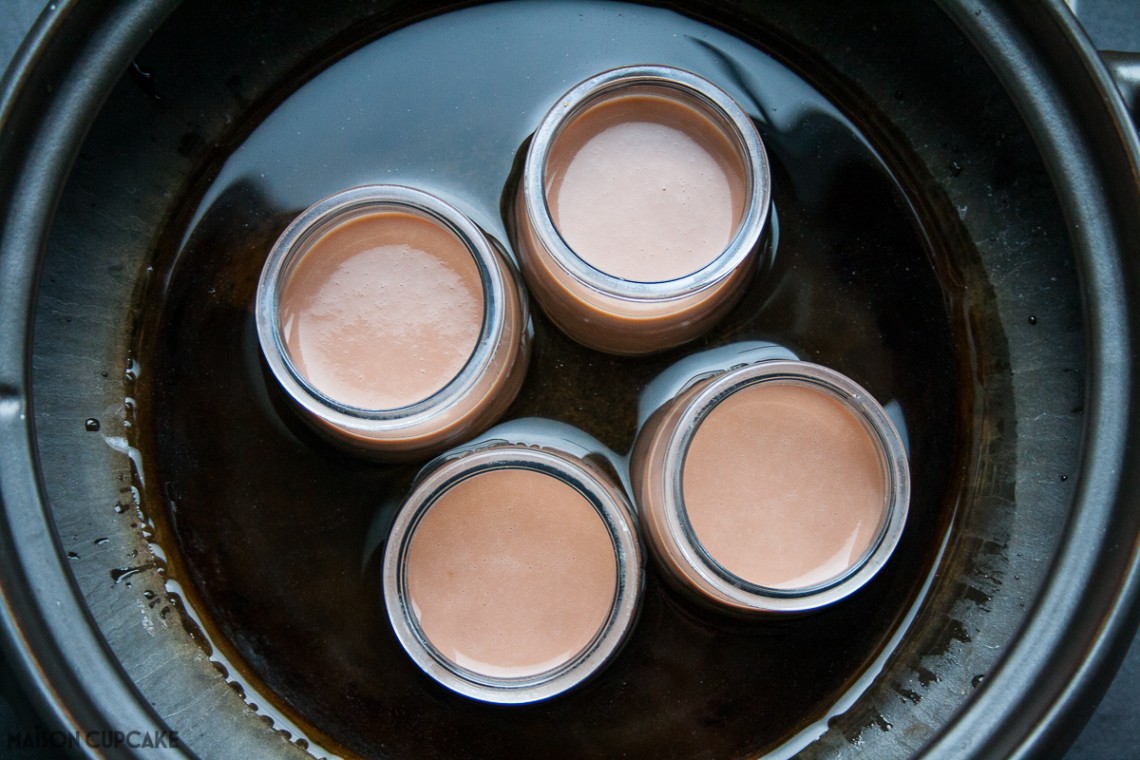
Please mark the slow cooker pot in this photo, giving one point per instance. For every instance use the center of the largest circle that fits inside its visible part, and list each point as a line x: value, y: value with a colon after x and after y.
x: 1007, y: 133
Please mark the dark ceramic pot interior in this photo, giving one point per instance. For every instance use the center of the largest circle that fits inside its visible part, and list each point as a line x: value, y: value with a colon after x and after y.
x: 227, y: 555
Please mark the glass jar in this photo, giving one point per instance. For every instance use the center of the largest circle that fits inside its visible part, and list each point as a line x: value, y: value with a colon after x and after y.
x: 638, y: 217
x: 392, y: 322
x: 513, y: 571
x: 777, y: 487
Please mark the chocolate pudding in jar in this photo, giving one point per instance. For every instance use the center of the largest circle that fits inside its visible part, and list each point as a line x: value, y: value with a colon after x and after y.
x: 513, y: 570
x: 638, y: 218
x: 777, y: 487
x: 392, y: 322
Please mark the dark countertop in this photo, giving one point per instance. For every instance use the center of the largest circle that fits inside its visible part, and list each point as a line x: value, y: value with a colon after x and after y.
x: 1112, y: 733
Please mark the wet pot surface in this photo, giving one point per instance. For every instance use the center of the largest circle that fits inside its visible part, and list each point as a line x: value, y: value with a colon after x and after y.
x: 266, y: 539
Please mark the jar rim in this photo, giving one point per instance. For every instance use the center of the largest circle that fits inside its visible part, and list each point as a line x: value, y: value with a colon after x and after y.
x: 884, y: 436
x: 325, y: 215
x: 737, y: 125
x: 448, y: 471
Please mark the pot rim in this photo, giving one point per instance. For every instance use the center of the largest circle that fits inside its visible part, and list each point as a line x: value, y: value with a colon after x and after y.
x: 49, y: 97
x: 1078, y: 628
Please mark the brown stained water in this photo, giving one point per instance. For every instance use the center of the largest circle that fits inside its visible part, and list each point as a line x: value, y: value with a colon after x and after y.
x: 267, y: 527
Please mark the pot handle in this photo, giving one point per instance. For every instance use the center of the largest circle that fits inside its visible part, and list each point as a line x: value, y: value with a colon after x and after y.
x: 1125, y: 70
